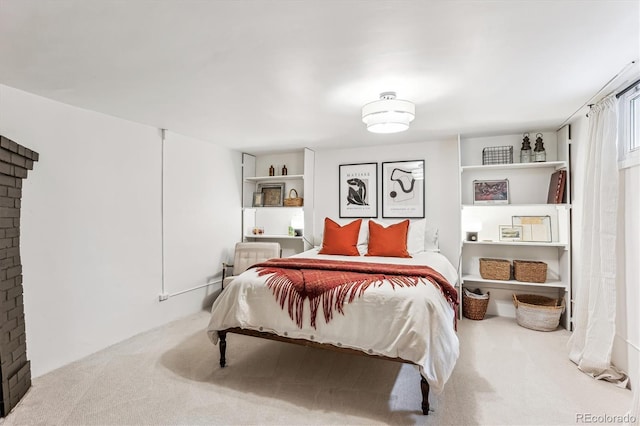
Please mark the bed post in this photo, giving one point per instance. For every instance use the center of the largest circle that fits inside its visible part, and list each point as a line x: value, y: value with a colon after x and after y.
x: 222, y: 335
x: 424, y: 387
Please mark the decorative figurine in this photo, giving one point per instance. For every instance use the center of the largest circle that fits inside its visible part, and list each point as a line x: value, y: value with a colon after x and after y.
x: 525, y: 151
x: 539, y: 154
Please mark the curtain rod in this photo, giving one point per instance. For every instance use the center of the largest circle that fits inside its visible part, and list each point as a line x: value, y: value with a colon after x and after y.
x: 629, y: 87
x: 622, y: 71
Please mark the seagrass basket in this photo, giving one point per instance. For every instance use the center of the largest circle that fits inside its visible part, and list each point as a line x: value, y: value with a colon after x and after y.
x: 530, y: 271
x: 538, y: 312
x: 495, y: 269
x: 292, y: 201
x: 474, y: 308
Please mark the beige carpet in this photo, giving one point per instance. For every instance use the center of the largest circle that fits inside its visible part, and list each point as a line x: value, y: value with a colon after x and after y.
x: 506, y: 375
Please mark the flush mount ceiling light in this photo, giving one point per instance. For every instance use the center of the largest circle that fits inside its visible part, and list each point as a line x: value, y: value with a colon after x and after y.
x: 388, y: 114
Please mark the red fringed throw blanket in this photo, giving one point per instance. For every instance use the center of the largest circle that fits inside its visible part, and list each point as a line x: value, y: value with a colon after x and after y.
x: 334, y: 283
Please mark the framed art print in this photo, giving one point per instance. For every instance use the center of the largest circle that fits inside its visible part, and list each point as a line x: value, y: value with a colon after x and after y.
x: 272, y: 194
x: 491, y: 191
x: 534, y: 228
x: 510, y: 233
x: 257, y: 199
x: 403, y: 189
x: 358, y: 190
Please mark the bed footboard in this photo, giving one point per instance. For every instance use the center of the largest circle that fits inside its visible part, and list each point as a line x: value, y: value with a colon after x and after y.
x: 222, y: 335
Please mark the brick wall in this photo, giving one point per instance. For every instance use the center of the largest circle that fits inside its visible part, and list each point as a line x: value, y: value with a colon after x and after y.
x: 15, y: 371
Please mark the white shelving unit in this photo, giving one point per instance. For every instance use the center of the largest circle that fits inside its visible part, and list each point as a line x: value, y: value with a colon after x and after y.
x: 528, y: 190
x: 275, y: 221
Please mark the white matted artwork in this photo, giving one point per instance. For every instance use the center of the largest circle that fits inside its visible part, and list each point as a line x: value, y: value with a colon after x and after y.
x: 358, y: 190
x: 403, y: 189
x: 534, y: 228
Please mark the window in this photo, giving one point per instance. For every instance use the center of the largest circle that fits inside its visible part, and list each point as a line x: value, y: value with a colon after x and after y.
x: 629, y: 122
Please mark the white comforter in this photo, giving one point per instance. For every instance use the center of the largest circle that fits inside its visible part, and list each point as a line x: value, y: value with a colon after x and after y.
x: 412, y: 323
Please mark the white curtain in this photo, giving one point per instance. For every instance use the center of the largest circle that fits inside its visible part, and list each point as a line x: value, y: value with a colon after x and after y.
x: 591, y: 343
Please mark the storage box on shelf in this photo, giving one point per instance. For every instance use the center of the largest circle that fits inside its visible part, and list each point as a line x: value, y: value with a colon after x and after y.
x: 495, y: 269
x: 529, y: 271
x: 528, y: 193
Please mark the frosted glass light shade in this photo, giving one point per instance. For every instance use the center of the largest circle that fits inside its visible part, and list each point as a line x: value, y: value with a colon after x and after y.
x: 388, y: 115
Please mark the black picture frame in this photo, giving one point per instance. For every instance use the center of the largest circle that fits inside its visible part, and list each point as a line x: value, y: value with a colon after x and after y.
x: 358, y: 190
x: 403, y: 189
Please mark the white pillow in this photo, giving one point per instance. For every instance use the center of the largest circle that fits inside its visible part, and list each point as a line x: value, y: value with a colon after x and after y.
x: 415, y: 238
x: 431, y: 239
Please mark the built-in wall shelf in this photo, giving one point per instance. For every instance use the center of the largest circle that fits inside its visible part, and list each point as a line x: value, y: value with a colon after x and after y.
x: 512, y: 166
x: 557, y: 206
x: 479, y: 279
x: 273, y: 178
x: 517, y: 243
x: 273, y: 236
x: 277, y: 221
x: 290, y: 208
x: 527, y: 195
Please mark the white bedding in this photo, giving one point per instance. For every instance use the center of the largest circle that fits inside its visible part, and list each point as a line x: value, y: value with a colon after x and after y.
x: 412, y: 323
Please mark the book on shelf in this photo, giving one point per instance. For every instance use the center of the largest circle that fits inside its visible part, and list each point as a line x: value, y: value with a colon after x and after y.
x: 556, y: 187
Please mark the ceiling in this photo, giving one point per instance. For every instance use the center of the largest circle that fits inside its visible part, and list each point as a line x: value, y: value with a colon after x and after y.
x: 264, y: 75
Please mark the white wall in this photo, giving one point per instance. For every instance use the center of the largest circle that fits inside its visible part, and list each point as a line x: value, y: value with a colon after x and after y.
x: 441, y: 184
x: 202, y: 193
x: 626, y: 347
x: 91, y: 242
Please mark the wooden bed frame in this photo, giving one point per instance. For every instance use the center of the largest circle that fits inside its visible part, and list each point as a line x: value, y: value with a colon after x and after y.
x: 222, y: 334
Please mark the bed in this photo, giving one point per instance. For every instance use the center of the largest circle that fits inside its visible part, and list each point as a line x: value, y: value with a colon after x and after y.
x: 419, y: 313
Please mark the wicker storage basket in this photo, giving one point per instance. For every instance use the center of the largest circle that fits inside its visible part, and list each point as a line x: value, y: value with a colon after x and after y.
x: 538, y: 312
x: 474, y: 308
x: 292, y: 201
x: 495, y: 269
x: 530, y: 271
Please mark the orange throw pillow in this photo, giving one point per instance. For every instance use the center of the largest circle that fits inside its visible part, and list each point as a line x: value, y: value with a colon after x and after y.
x: 340, y: 239
x: 390, y: 241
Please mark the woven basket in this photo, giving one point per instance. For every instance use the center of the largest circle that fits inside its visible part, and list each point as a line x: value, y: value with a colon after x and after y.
x: 538, y: 312
x: 292, y: 201
x: 530, y: 271
x: 473, y: 308
x: 495, y: 269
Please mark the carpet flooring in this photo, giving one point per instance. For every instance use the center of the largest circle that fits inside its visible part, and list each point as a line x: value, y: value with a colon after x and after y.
x: 506, y: 375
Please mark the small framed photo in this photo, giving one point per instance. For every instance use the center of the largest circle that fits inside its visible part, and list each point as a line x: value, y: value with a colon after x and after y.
x: 510, y: 233
x: 257, y: 199
x: 272, y: 194
x: 491, y: 191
